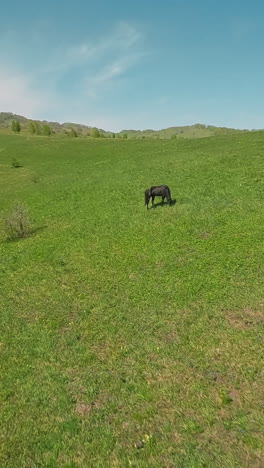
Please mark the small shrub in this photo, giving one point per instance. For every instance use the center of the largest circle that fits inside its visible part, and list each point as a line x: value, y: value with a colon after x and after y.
x: 17, y: 222
x: 15, y: 163
x: 35, y: 179
x: 226, y: 398
x: 72, y: 133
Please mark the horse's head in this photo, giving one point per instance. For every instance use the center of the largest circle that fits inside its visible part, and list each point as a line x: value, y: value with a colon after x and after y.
x: 147, y: 196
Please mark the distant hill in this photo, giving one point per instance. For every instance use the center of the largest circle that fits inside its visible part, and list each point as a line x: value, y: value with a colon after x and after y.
x: 189, y: 131
x: 82, y: 130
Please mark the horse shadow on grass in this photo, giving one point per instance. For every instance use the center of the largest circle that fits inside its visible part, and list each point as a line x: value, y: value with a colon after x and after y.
x: 156, y: 205
x: 30, y: 233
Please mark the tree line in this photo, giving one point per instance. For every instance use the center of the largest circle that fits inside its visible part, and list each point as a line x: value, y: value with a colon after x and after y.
x: 36, y: 128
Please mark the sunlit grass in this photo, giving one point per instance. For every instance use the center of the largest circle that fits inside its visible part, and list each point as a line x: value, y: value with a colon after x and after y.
x: 133, y: 337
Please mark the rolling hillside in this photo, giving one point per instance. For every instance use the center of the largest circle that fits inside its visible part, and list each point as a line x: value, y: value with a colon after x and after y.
x: 192, y: 131
x: 82, y: 130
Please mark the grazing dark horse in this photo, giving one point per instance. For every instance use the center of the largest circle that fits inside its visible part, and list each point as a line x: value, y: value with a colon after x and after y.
x: 157, y: 191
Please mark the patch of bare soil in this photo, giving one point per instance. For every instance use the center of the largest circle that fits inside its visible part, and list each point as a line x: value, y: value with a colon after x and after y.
x: 245, y: 319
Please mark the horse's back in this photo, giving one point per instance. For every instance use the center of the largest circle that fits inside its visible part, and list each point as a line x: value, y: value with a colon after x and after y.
x: 159, y: 189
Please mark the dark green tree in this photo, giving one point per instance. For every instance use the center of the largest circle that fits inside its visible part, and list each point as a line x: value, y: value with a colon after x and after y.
x: 46, y: 130
x: 38, y: 128
x: 15, y: 126
x: 32, y: 128
x: 72, y: 133
x: 95, y: 133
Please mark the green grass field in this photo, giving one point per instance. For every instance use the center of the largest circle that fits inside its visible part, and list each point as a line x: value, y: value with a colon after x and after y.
x: 133, y: 338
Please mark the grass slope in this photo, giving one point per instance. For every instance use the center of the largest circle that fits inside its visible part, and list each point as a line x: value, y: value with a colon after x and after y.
x: 133, y: 337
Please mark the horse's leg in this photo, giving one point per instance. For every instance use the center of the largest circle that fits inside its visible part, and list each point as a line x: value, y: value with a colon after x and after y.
x: 168, y: 196
x: 163, y: 200
x: 153, y: 198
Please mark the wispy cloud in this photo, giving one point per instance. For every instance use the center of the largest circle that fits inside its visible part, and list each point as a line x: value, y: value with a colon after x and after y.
x: 85, y: 69
x: 109, y: 73
x: 108, y: 58
x: 99, y: 61
x: 122, y: 38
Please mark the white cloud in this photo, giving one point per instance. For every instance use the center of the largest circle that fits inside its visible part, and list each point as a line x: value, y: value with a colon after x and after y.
x: 94, y: 63
x: 86, y: 70
x: 18, y: 96
x: 106, y: 59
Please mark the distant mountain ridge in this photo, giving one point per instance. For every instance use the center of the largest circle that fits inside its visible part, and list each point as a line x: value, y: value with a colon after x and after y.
x: 188, y: 131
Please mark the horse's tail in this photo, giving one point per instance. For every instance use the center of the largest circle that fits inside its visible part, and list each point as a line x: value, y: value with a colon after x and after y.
x: 168, y: 194
x: 147, y: 196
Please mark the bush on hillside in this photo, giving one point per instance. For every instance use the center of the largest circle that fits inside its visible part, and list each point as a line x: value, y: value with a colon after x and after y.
x: 95, y: 133
x: 15, y: 126
x: 17, y: 223
x: 72, y: 133
x: 46, y: 130
x: 15, y: 163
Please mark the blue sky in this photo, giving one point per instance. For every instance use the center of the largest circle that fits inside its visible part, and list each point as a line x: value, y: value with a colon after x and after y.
x: 139, y: 64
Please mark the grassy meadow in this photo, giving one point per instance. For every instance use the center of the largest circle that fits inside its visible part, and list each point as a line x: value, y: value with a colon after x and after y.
x: 133, y: 338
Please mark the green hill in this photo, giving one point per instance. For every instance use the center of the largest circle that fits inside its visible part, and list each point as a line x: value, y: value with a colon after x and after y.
x: 191, y: 131
x: 82, y: 130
